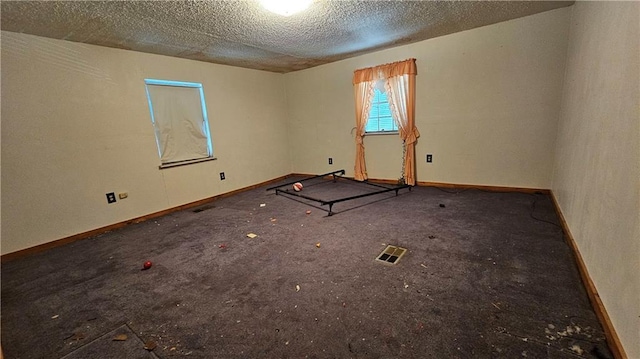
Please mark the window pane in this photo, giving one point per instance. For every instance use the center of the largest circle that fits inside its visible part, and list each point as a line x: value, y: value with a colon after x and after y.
x: 382, y: 96
x: 386, y: 124
x: 374, y: 113
x: 385, y: 110
x: 380, y: 118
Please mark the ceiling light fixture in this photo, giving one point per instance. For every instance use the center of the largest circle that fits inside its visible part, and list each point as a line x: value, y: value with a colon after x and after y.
x: 285, y: 7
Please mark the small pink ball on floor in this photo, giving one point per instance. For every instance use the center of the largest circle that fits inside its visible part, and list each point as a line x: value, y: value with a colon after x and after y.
x: 297, y: 186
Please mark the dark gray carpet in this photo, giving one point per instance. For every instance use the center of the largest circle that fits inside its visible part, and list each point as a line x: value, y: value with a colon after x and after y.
x: 105, y: 347
x: 486, y: 276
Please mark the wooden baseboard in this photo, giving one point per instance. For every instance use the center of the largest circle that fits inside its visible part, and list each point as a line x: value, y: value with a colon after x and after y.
x: 451, y: 185
x: 615, y: 345
x: 484, y: 187
x: 94, y: 232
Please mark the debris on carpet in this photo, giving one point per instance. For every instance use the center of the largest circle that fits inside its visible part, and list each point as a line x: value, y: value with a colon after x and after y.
x: 150, y: 345
x: 120, y: 338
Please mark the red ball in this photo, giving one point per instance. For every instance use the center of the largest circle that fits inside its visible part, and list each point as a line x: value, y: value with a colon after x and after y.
x: 147, y: 265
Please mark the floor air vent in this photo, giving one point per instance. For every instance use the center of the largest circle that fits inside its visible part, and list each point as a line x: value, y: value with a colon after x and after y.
x: 391, y: 255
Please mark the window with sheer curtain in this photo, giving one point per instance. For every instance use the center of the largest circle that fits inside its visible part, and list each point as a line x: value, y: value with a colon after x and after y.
x: 380, y: 119
x: 179, y: 116
x: 399, y: 80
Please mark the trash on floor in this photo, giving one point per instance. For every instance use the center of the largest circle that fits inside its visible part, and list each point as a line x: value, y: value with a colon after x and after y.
x: 150, y: 345
x: 77, y: 336
x: 252, y: 235
x: 120, y: 338
x: 55, y: 316
x: 441, y: 205
x: 318, y: 244
x: 263, y: 204
x: 297, y: 288
x: 222, y: 246
x: 147, y: 265
x: 308, y: 212
x: 576, y: 348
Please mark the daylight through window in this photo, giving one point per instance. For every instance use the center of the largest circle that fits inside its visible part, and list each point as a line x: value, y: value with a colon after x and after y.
x: 380, y: 119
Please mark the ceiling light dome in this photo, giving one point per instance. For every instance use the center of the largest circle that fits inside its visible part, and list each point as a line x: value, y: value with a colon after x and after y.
x: 285, y: 7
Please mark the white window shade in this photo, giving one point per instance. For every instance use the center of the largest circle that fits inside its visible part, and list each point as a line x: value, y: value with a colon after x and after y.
x: 179, y: 117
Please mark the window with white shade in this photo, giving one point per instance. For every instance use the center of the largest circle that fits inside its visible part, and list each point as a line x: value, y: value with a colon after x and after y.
x: 179, y: 117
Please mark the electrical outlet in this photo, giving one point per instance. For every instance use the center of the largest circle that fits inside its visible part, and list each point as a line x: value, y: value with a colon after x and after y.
x: 111, y: 197
x: 429, y: 158
x: 222, y: 176
x: 330, y: 160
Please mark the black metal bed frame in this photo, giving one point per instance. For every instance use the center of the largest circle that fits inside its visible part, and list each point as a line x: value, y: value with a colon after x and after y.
x: 335, y: 175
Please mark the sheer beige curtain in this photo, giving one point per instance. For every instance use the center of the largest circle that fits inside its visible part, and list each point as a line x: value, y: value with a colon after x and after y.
x: 400, y: 85
x: 401, y: 92
x: 364, y: 96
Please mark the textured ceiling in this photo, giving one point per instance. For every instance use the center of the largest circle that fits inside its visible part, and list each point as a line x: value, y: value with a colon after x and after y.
x: 242, y: 33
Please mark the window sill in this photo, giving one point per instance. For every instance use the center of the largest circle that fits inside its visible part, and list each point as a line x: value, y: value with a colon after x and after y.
x: 381, y: 133
x: 184, y: 163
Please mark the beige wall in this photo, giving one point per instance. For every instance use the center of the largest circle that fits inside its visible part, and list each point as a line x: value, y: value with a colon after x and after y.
x: 487, y: 106
x: 76, y: 125
x: 597, y: 175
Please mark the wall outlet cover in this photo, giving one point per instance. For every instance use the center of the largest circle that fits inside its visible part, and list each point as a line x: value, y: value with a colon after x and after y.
x: 111, y: 197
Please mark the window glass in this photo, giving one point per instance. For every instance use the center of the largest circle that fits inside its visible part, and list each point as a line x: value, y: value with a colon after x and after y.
x: 380, y: 119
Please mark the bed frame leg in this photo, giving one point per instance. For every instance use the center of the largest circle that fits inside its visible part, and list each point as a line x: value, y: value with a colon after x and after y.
x: 330, y: 212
